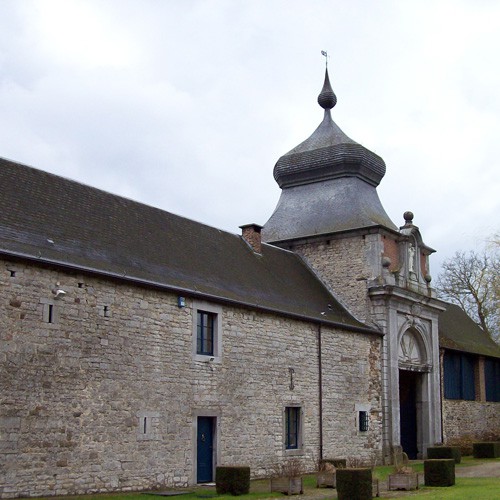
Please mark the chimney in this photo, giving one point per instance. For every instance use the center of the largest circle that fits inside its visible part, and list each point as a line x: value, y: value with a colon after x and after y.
x: 251, y: 234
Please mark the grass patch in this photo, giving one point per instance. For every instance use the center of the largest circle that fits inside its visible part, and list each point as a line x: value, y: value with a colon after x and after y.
x: 465, y: 488
x: 382, y: 472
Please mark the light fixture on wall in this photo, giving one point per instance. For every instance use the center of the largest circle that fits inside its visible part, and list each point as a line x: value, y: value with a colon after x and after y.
x: 181, y: 301
x: 58, y: 292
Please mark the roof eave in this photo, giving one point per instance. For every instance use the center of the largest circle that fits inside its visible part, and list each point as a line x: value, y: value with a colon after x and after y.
x: 189, y: 291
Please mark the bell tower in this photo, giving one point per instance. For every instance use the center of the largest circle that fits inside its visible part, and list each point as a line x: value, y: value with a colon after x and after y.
x: 329, y: 213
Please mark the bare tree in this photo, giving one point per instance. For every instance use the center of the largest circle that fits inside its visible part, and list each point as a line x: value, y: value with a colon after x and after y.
x: 472, y: 281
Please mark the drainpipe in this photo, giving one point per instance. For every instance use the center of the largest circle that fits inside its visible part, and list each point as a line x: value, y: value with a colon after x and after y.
x: 320, y: 382
x: 441, y: 390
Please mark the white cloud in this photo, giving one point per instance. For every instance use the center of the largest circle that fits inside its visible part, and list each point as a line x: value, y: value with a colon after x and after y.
x: 187, y: 105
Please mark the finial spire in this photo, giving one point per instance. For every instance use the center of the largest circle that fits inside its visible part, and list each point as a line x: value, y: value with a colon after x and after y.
x: 327, y: 99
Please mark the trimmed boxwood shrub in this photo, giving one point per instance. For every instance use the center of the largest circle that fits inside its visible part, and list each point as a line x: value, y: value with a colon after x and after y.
x: 234, y: 480
x: 445, y: 452
x: 354, y: 484
x: 486, y: 450
x: 439, y: 472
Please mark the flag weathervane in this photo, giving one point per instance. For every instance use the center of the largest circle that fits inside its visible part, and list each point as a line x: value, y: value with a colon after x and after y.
x: 325, y: 53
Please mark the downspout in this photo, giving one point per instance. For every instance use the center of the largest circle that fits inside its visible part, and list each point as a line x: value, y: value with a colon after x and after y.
x: 441, y: 390
x: 320, y: 382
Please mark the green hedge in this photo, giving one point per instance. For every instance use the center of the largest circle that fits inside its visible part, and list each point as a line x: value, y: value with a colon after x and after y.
x: 234, y: 480
x: 439, y: 472
x: 444, y: 452
x: 354, y: 484
x: 486, y: 450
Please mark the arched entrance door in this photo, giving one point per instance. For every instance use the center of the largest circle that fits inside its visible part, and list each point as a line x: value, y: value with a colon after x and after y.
x: 412, y: 367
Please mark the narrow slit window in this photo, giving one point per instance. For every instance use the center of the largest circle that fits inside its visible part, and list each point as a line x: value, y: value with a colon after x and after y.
x: 50, y: 318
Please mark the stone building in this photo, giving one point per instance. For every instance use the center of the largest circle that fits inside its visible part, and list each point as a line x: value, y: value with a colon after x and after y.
x: 139, y: 349
x: 470, y: 369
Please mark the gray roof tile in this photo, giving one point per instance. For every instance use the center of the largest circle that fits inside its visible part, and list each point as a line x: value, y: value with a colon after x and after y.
x: 459, y: 332
x: 56, y: 220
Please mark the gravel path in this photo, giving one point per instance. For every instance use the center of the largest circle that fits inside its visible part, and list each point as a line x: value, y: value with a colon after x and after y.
x: 488, y: 469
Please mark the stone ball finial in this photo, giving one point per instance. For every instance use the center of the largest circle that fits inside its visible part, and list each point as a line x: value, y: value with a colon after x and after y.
x: 428, y: 278
x: 386, y: 262
x: 408, y: 216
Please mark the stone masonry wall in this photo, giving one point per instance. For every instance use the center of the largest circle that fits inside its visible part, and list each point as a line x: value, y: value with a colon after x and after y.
x: 470, y: 421
x: 357, y: 387
x: 346, y: 265
x: 74, y: 390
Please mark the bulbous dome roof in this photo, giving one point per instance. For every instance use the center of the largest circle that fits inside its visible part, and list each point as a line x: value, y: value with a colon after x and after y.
x: 328, y: 184
x: 328, y: 153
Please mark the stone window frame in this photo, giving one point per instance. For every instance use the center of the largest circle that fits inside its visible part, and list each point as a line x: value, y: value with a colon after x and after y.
x: 147, y: 425
x: 50, y: 311
x: 216, y: 311
x: 300, y: 433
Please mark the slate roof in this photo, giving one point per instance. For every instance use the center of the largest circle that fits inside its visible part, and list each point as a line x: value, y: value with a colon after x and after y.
x: 459, y: 332
x: 328, y: 153
x: 51, y: 219
x: 328, y: 184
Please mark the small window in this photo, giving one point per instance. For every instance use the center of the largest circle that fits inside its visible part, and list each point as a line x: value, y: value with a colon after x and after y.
x: 363, y: 421
x: 49, y: 311
x: 292, y: 427
x: 147, y: 425
x: 205, y: 333
x: 459, y: 376
x: 492, y: 379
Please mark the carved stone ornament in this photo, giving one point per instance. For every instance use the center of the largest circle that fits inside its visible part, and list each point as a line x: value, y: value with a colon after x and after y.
x: 409, y: 350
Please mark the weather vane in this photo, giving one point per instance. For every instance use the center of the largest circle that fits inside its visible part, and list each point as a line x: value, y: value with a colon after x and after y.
x: 325, y: 53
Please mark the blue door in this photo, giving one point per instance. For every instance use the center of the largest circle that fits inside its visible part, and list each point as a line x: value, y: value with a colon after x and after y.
x: 205, y: 447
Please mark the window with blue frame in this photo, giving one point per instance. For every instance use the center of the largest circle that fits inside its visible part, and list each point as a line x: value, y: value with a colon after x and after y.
x: 459, y: 381
x: 205, y: 333
x: 492, y: 379
x: 292, y: 427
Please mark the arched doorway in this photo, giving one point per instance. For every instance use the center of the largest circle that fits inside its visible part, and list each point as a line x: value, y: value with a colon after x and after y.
x: 412, y: 370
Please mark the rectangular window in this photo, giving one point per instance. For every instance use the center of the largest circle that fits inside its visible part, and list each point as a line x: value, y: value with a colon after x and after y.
x: 363, y: 421
x: 292, y: 427
x: 205, y: 333
x: 50, y: 313
x: 492, y: 379
x: 459, y: 376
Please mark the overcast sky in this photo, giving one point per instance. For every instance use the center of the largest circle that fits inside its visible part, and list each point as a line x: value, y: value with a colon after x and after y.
x: 187, y: 105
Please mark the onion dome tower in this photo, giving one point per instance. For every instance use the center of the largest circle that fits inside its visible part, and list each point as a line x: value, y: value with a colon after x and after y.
x: 328, y: 184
